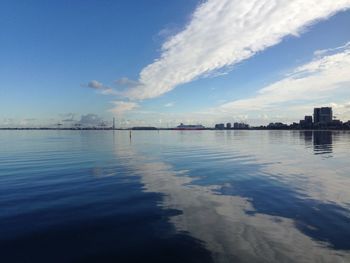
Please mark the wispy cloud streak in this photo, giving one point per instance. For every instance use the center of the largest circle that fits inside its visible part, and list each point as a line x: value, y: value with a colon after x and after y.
x: 105, y: 90
x: 222, y: 33
x: 120, y: 107
x: 317, y: 80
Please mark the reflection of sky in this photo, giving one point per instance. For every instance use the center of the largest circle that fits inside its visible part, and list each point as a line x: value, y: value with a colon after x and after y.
x: 64, y: 198
x: 251, y: 196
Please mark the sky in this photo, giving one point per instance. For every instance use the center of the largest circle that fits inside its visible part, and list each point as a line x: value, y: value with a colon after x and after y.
x: 159, y: 63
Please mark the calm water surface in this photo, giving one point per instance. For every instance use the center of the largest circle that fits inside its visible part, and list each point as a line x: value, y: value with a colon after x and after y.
x: 172, y: 196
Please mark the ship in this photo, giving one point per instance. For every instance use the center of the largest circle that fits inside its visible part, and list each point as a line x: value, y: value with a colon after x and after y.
x: 189, y: 127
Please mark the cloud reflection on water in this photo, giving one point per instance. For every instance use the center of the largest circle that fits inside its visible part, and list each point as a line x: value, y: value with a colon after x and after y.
x: 225, y: 222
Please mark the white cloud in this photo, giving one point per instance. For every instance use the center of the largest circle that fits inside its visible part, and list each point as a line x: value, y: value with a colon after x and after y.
x: 342, y: 110
x: 105, y: 90
x: 122, y: 106
x: 109, y: 91
x: 127, y: 82
x: 90, y: 120
x: 222, y: 33
x: 68, y: 117
x: 170, y: 104
x: 324, y: 81
x: 315, y: 80
x: 324, y: 52
x: 311, y: 84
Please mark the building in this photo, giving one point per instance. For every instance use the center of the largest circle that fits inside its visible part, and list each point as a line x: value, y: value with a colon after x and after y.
x: 308, y: 119
x: 241, y: 125
x: 346, y: 125
x: 228, y: 126
x: 306, y: 123
x: 316, y: 115
x: 323, y: 115
x: 220, y: 126
x: 277, y: 125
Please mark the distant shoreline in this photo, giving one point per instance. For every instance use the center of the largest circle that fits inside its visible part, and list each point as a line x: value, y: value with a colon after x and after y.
x: 172, y: 129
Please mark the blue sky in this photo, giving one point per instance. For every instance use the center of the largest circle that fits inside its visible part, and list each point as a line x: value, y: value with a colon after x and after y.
x: 163, y: 62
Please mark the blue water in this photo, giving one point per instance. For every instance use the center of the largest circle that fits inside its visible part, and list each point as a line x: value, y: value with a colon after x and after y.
x: 174, y: 196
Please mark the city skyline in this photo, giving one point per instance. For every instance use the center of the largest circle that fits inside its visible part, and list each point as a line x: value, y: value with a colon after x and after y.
x: 162, y: 64
x: 322, y: 119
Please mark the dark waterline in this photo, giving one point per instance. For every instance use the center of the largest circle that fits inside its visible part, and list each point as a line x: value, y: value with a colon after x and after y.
x: 172, y: 196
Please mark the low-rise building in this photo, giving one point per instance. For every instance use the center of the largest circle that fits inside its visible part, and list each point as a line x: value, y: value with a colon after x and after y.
x: 220, y: 126
x: 306, y: 123
x: 240, y: 125
x: 277, y: 125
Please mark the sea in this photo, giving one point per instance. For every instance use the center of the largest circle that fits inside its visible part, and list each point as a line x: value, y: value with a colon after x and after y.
x: 174, y: 196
